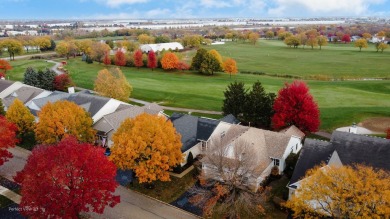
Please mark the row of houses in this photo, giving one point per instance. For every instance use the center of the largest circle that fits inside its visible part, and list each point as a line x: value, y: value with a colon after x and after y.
x: 271, y: 148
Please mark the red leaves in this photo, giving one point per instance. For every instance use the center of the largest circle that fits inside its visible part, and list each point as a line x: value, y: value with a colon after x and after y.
x: 295, y: 106
x: 346, y: 38
x: 62, y: 82
x: 182, y: 66
x: 138, y: 58
x: 152, y: 60
x: 120, y: 58
x: 7, y: 138
x: 4, y: 66
x: 107, y: 59
x: 64, y: 179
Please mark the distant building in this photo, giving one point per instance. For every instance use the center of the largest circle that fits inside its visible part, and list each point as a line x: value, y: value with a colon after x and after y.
x: 161, y: 46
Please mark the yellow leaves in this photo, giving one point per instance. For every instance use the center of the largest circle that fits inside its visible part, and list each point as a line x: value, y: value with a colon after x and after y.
x: 20, y: 116
x: 344, y: 191
x: 230, y: 66
x: 147, y: 144
x: 113, y: 84
x: 63, y: 118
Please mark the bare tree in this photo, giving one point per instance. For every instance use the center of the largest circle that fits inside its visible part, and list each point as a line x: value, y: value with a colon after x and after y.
x: 227, y: 178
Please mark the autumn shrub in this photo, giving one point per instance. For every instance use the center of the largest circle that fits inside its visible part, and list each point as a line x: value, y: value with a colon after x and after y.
x: 62, y: 82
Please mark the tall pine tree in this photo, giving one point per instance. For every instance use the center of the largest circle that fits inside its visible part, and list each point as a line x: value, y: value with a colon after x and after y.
x: 235, y: 98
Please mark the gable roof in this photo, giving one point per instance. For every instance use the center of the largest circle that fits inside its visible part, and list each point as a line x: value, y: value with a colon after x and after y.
x: 91, y: 103
x: 351, y: 149
x: 24, y: 94
x: 193, y: 128
x: 4, y: 84
x: 293, y: 130
x: 263, y: 144
x: 113, y: 120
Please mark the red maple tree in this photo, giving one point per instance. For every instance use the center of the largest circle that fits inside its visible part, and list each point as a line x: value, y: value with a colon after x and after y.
x: 62, y: 82
x: 388, y: 133
x: 152, y: 60
x: 295, y: 106
x: 4, y: 67
x: 120, y: 58
x: 138, y: 62
x: 346, y: 38
x: 8, y: 138
x: 107, y: 59
x: 182, y: 66
x: 62, y: 180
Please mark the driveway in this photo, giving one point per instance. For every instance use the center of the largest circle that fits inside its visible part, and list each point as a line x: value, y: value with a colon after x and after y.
x: 133, y: 204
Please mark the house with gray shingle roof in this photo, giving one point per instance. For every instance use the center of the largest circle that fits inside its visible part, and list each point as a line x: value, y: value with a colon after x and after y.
x: 26, y: 94
x: 108, y: 124
x: 7, y: 87
x: 343, y: 149
x: 267, y: 148
x: 97, y: 106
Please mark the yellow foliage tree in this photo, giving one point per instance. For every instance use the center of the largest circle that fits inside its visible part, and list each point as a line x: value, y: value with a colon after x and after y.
x: 253, y: 37
x: 217, y: 56
x: 149, y: 145
x: 322, y: 41
x: 145, y: 39
x: 99, y: 50
x: 19, y: 114
x: 66, y: 48
x: 343, y: 192
x: 169, y: 61
x: 43, y: 42
x: 113, y: 84
x: 230, y: 66
x: 366, y: 35
x: 63, y: 118
x: 85, y: 46
x: 361, y: 43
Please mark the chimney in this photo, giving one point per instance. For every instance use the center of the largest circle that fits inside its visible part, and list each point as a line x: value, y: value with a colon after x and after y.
x: 353, y: 128
x: 71, y: 90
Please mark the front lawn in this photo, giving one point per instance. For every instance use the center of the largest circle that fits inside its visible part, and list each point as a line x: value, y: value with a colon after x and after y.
x: 167, y: 191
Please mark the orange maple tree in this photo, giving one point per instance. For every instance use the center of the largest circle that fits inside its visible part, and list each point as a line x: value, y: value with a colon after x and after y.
x: 230, y: 66
x: 7, y: 138
x: 169, y: 61
x: 149, y: 145
x: 63, y: 118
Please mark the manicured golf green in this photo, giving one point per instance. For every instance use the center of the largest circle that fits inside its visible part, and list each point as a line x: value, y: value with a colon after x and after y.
x: 341, y: 102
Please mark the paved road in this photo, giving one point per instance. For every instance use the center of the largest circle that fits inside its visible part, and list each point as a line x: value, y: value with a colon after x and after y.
x: 133, y: 205
x: 28, y: 56
x: 55, y: 67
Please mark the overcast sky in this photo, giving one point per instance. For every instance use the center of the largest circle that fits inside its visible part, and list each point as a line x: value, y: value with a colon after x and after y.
x: 129, y: 9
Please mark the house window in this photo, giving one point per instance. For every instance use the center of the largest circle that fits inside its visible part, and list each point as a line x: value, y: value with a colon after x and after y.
x: 276, y: 161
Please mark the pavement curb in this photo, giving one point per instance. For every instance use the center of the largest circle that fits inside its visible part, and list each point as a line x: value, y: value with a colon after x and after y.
x: 187, y: 212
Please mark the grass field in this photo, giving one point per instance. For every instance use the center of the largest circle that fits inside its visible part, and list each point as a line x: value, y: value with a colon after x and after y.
x: 19, y: 67
x: 340, y: 102
x: 334, y: 61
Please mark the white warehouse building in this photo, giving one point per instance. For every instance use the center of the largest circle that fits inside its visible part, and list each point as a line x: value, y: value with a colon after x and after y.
x: 161, y: 46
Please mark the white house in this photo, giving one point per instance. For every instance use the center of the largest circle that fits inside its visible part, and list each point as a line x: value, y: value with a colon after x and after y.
x: 267, y: 148
x: 161, y: 46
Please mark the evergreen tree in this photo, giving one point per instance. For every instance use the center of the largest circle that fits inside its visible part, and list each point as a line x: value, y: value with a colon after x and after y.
x: 31, y: 77
x: 235, y: 98
x: 46, y: 79
x: 258, y: 108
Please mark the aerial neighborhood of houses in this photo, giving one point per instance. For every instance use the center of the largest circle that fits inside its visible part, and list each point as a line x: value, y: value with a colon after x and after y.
x: 195, y: 118
x: 240, y: 147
